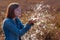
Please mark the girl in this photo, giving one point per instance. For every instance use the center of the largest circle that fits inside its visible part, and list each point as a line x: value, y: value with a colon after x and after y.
x: 12, y: 26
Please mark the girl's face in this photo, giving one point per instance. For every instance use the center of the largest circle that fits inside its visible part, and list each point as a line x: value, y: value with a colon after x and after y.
x: 17, y: 12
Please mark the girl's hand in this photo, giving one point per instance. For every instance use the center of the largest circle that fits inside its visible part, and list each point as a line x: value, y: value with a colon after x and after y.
x: 32, y: 21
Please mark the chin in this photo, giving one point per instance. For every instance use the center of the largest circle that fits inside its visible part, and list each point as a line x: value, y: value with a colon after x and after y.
x: 20, y: 16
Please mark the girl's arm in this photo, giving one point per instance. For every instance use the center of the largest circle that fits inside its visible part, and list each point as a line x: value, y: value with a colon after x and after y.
x: 13, y: 28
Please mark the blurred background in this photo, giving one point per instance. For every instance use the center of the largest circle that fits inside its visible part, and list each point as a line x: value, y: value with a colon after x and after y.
x: 48, y: 12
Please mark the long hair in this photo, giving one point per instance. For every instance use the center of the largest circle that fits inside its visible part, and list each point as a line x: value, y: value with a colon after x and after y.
x: 10, y: 10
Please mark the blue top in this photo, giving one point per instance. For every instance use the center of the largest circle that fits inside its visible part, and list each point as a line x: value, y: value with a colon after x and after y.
x: 13, y: 30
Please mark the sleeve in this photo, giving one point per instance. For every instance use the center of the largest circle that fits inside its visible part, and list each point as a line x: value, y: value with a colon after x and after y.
x: 13, y: 28
x: 20, y: 23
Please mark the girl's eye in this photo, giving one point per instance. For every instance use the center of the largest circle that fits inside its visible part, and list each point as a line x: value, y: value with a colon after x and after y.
x: 19, y: 10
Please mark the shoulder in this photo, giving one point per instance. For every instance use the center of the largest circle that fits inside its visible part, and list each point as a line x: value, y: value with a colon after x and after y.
x: 6, y: 20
